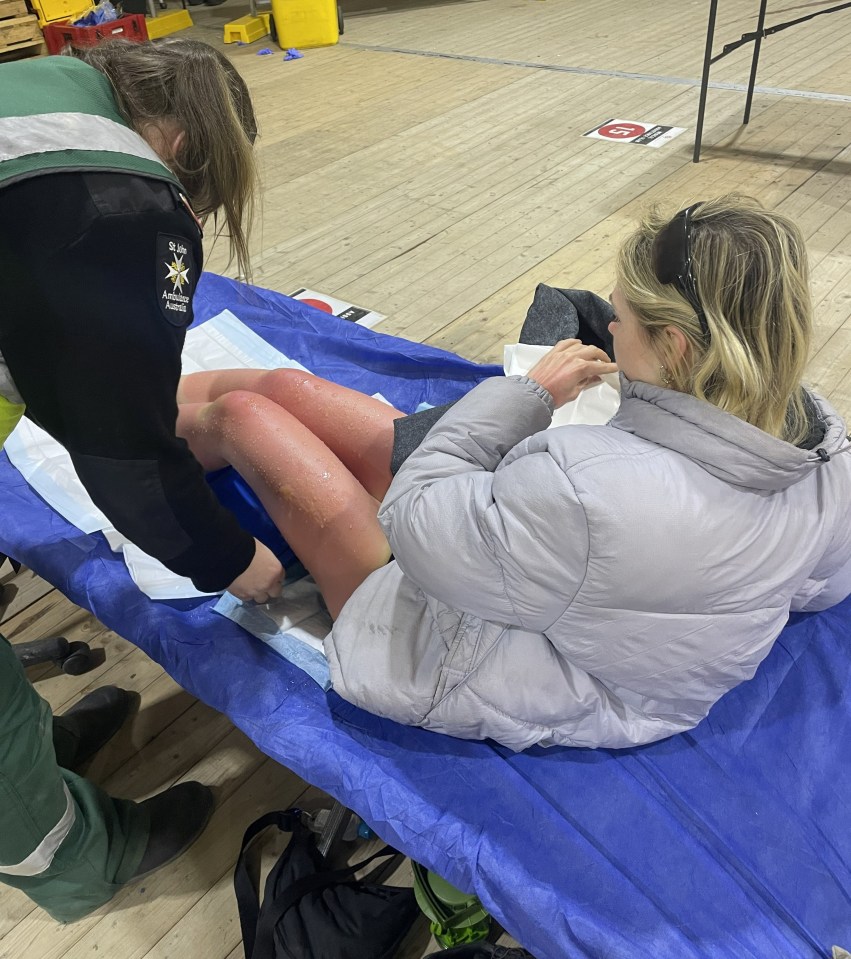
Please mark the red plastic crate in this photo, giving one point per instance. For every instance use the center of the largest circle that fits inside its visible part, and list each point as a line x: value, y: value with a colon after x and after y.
x: 129, y: 27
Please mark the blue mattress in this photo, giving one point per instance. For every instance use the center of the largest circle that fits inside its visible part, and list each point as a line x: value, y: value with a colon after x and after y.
x: 731, y: 841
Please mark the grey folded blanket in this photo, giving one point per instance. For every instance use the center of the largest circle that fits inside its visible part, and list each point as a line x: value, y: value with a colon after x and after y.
x: 565, y: 315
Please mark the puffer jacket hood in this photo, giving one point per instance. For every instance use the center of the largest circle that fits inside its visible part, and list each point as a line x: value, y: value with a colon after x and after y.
x: 724, y: 445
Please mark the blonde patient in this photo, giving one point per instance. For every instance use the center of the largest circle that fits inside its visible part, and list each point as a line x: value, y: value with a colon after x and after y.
x: 586, y: 585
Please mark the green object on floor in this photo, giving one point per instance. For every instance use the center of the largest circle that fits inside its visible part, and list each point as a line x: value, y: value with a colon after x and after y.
x: 456, y: 917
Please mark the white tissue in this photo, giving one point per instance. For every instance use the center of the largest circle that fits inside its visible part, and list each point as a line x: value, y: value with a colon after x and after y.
x: 594, y: 406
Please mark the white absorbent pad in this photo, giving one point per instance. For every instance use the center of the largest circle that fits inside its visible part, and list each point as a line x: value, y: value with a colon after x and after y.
x: 293, y: 625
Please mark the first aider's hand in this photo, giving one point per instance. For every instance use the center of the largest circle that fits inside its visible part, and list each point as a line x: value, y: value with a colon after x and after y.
x: 569, y: 368
x: 262, y: 580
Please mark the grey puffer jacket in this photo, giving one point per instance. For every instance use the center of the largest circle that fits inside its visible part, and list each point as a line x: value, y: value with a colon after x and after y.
x: 590, y: 585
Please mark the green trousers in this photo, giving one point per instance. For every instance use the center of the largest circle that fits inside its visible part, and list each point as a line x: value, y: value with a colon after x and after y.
x: 63, y: 841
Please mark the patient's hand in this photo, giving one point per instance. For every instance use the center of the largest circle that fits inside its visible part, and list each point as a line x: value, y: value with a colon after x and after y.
x: 569, y: 368
x: 263, y: 579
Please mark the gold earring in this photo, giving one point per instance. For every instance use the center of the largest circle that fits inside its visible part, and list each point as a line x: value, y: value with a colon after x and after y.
x: 665, y: 375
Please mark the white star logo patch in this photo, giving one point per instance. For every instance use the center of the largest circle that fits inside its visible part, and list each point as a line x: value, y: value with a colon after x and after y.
x: 177, y: 273
x: 175, y: 278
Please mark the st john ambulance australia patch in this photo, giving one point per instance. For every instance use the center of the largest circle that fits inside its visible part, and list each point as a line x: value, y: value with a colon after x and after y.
x: 176, y: 278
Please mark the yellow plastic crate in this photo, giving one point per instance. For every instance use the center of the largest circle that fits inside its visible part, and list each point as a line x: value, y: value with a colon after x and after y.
x: 49, y: 10
x: 306, y: 23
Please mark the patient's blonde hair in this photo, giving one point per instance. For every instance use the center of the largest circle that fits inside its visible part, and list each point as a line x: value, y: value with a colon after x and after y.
x: 198, y: 88
x: 750, y: 270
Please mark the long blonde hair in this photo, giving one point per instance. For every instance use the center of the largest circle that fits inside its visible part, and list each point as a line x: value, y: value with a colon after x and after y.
x: 197, y: 87
x: 751, y: 275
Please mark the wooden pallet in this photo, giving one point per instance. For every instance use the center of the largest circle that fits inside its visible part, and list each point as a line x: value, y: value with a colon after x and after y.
x: 20, y: 34
x: 13, y: 8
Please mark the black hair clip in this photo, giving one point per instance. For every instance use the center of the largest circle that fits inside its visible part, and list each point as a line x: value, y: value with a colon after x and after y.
x: 672, y: 261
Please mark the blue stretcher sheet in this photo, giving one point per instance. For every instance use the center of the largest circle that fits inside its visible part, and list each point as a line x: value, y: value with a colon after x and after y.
x: 730, y: 842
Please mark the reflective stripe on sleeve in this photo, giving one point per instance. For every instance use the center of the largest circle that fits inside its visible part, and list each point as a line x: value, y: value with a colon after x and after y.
x: 41, y: 858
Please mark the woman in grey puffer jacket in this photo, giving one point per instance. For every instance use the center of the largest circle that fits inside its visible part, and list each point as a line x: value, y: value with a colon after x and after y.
x: 605, y: 585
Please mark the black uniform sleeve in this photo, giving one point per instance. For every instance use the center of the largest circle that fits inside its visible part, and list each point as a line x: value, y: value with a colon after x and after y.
x: 97, y: 273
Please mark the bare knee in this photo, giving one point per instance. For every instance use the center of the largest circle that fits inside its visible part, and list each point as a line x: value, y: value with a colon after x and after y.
x: 233, y: 410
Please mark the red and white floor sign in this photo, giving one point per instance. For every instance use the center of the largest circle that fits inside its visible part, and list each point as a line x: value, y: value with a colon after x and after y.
x: 634, y: 131
x: 338, y: 308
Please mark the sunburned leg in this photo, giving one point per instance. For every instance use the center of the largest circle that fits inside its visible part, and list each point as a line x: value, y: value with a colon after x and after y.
x: 321, y: 509
x: 194, y: 427
x: 356, y: 427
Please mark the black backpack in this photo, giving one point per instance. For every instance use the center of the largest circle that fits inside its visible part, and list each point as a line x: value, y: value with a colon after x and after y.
x: 311, y: 912
x: 482, y: 950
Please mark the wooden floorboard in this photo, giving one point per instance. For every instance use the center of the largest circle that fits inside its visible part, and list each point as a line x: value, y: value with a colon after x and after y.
x: 431, y: 167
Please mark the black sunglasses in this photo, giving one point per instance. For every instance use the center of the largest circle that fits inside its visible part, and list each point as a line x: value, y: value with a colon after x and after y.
x: 672, y: 261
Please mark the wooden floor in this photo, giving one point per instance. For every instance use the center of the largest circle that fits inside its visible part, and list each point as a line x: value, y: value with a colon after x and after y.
x: 431, y: 167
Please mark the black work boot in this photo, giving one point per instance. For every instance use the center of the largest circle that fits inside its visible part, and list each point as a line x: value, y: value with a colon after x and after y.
x: 87, y: 726
x: 178, y: 817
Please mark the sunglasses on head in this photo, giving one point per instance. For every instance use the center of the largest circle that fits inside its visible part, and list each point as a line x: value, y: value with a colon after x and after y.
x: 672, y: 261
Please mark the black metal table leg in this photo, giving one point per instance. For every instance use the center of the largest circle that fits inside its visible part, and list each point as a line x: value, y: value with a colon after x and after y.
x: 755, y: 38
x: 755, y: 61
x: 704, y: 83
